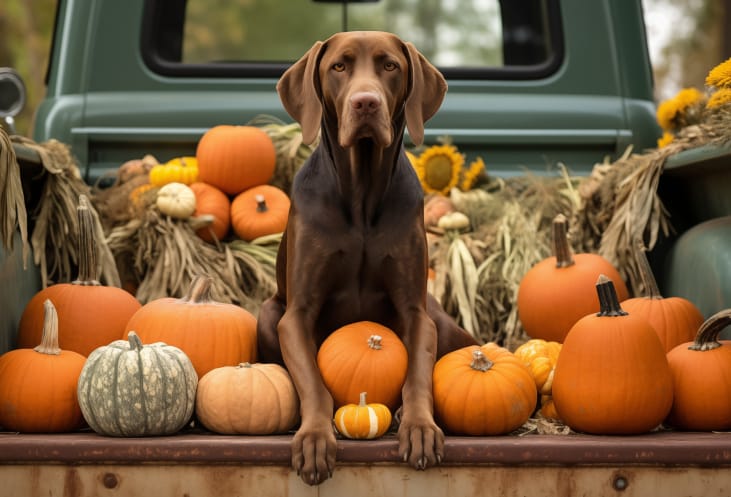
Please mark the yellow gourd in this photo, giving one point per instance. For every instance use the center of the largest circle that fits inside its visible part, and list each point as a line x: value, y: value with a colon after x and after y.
x: 179, y: 170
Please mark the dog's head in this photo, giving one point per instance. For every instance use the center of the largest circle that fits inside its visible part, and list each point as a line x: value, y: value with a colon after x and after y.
x: 362, y: 79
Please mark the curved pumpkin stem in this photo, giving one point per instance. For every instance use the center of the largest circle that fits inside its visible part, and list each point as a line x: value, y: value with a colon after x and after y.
x: 261, y: 204
x: 362, y: 400
x: 374, y: 342
x: 707, y: 336
x: 134, y: 341
x: 49, y: 339
x: 608, y: 301
x: 561, y: 248
x: 648, y: 278
x: 480, y: 362
x: 200, y: 290
x: 88, y: 269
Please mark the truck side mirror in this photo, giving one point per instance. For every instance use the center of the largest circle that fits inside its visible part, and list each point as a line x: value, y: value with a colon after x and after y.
x: 12, y: 98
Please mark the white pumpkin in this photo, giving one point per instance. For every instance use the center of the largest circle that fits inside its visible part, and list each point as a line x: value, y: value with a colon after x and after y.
x: 176, y: 200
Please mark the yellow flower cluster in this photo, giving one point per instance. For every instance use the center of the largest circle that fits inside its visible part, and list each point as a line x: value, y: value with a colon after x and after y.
x: 441, y: 168
x: 671, y: 112
x: 720, y: 76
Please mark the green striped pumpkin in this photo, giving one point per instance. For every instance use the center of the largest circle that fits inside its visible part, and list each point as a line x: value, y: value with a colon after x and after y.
x: 130, y: 390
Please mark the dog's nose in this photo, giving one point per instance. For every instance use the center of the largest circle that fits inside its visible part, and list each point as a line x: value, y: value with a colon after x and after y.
x: 365, y: 102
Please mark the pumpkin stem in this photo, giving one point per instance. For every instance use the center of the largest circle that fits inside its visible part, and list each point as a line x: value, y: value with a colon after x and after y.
x: 88, y: 275
x: 648, y: 278
x: 134, y: 341
x: 608, y: 301
x: 49, y: 338
x: 480, y: 362
x: 362, y: 400
x: 244, y: 365
x: 374, y: 342
x: 261, y: 205
x: 200, y: 290
x: 561, y: 248
x: 707, y: 336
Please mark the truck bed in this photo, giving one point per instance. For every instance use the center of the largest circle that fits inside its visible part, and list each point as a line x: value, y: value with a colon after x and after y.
x: 663, y: 463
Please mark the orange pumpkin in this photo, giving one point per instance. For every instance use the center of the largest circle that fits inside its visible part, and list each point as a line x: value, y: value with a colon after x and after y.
x: 212, y: 201
x: 558, y: 291
x: 482, y: 391
x: 261, y: 210
x: 702, y: 379
x: 212, y: 334
x: 38, y: 386
x: 363, y: 357
x: 89, y: 315
x: 612, y: 376
x: 675, y: 319
x: 235, y: 158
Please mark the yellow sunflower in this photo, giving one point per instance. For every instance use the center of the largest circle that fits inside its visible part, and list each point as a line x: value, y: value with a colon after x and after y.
x: 671, y: 112
x: 439, y: 168
x: 720, y: 76
x: 666, y: 139
x: 719, y: 98
x: 469, y: 176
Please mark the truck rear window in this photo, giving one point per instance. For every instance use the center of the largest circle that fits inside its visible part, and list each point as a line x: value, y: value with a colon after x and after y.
x: 465, y: 38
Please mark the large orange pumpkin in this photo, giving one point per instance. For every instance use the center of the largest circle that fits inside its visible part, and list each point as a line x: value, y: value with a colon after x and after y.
x: 702, y: 379
x: 89, y: 315
x: 363, y: 357
x: 675, y: 319
x: 38, y: 386
x: 612, y: 376
x: 209, y: 200
x: 212, y: 334
x: 235, y: 158
x: 559, y: 290
x: 259, y: 211
x: 482, y: 391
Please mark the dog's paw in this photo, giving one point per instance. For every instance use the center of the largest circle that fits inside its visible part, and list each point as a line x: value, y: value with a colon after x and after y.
x: 313, y: 454
x: 421, y: 444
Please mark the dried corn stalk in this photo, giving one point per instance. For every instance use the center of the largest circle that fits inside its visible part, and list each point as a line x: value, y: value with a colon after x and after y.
x: 55, y: 237
x: 12, y: 201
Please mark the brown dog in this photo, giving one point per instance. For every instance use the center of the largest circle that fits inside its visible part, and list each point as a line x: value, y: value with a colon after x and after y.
x: 354, y: 248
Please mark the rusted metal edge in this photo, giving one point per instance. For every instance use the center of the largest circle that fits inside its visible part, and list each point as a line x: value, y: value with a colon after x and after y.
x: 658, y: 449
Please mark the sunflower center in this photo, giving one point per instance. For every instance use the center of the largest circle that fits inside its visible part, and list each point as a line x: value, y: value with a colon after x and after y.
x: 438, y: 171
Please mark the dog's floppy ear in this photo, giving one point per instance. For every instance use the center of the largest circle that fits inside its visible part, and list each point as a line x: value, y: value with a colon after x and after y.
x: 299, y: 91
x: 427, y: 87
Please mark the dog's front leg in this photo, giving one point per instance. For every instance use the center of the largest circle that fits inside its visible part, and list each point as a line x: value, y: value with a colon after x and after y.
x: 314, y: 444
x: 421, y: 441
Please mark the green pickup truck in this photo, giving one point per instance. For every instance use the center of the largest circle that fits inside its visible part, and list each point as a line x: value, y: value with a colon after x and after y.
x: 532, y: 83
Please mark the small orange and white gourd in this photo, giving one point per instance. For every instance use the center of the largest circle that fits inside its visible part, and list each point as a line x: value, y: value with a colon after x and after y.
x: 363, y: 421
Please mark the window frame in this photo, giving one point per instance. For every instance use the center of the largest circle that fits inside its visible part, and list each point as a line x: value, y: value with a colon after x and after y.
x: 164, y: 19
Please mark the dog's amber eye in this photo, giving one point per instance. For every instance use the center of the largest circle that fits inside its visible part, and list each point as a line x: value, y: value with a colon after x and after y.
x: 338, y: 67
x: 390, y: 66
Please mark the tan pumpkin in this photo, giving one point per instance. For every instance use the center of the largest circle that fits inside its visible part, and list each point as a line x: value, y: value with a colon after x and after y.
x: 38, y: 386
x: 362, y: 421
x: 363, y: 357
x: 209, y: 200
x: 482, y: 391
x: 176, y: 200
x: 612, y: 376
x: 248, y: 399
x: 559, y: 290
x: 212, y: 334
x: 235, y: 158
x: 259, y: 211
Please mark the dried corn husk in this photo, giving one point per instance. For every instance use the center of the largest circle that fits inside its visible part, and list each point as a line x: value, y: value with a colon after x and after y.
x: 12, y: 201
x: 55, y: 237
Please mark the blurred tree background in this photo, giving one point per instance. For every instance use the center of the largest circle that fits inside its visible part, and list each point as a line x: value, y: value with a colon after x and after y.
x: 687, y: 37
